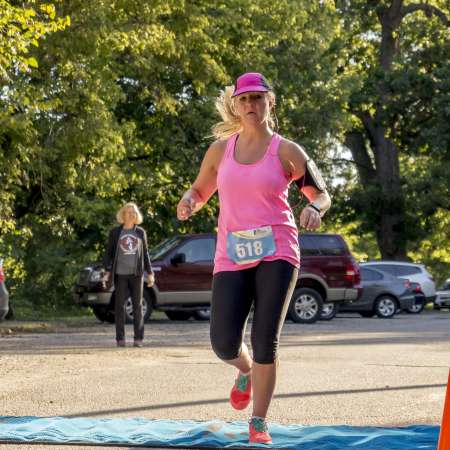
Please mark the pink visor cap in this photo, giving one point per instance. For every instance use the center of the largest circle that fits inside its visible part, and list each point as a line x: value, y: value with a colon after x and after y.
x: 251, y: 82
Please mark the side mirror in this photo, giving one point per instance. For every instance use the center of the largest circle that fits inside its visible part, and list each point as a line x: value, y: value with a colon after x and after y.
x: 178, y: 258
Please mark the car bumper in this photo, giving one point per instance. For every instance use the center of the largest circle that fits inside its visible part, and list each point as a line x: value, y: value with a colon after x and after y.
x: 92, y: 298
x: 344, y: 295
x: 444, y: 302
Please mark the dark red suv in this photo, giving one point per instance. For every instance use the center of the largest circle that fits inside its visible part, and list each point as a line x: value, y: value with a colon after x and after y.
x: 183, y: 267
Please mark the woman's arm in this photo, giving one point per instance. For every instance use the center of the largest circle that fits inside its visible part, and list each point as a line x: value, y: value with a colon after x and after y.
x: 204, y: 185
x: 108, y: 259
x: 294, y: 161
x: 147, y: 262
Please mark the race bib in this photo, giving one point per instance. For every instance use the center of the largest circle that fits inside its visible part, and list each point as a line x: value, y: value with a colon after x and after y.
x: 248, y: 246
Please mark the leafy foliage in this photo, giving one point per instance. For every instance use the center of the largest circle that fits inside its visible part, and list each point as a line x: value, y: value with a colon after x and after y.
x: 120, y: 105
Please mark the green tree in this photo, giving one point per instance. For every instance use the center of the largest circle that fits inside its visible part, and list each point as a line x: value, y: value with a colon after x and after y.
x: 400, y: 116
x: 126, y: 105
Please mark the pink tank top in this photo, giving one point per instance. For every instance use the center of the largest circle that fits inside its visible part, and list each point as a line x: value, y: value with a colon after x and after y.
x: 252, y: 196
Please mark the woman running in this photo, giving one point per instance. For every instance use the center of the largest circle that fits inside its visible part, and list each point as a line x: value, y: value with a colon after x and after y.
x: 257, y: 256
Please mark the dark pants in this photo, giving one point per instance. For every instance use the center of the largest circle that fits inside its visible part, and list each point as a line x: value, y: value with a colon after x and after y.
x: 268, y: 287
x: 125, y: 286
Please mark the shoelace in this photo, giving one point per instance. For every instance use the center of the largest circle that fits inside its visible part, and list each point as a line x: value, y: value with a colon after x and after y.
x: 241, y: 382
x: 259, y: 425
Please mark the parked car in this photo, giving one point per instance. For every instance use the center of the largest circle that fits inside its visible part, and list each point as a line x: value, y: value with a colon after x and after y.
x: 411, y: 271
x: 443, y: 296
x: 382, y: 294
x: 329, y: 269
x: 4, y: 296
x: 183, y: 267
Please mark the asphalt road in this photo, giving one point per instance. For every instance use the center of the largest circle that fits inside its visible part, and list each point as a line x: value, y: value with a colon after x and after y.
x: 351, y: 371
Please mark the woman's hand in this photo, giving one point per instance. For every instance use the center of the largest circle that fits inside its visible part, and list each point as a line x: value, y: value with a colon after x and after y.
x: 310, y: 219
x: 150, y: 280
x: 106, y: 279
x: 189, y: 204
x: 185, y: 208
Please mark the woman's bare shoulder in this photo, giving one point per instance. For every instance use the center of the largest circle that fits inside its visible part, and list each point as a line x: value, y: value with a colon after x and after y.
x: 215, y: 151
x: 219, y: 145
x: 290, y: 149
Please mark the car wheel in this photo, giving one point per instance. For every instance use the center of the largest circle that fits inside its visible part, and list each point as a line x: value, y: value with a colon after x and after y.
x: 178, y: 315
x: 385, y: 307
x: 202, y: 314
x: 417, y: 308
x: 103, y: 314
x: 329, y: 311
x: 366, y: 314
x: 306, y: 306
x: 147, y: 307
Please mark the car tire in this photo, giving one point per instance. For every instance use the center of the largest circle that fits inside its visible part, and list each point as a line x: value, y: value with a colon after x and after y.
x: 103, y: 314
x: 179, y: 315
x: 202, y: 314
x: 329, y: 311
x: 416, y: 308
x: 306, y: 306
x: 385, y: 307
x: 147, y: 307
x: 366, y: 314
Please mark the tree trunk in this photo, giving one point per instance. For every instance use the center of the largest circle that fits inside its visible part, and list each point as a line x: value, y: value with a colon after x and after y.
x: 383, y: 179
x: 385, y: 171
x: 378, y: 164
x: 390, y: 230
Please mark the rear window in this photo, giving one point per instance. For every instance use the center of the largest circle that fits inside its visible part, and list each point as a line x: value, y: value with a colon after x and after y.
x: 389, y: 268
x: 322, y: 245
x: 398, y: 270
x: 407, y: 270
x: 370, y: 275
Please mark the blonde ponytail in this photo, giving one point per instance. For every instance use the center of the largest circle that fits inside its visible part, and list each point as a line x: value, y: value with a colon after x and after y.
x: 231, y: 122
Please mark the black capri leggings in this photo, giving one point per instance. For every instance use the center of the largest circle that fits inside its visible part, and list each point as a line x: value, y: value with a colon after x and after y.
x: 269, y: 287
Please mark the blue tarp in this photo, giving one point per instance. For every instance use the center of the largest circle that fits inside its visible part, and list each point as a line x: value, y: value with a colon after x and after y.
x: 210, y: 434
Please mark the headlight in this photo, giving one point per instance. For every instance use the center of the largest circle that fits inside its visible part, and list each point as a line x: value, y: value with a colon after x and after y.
x: 96, y: 275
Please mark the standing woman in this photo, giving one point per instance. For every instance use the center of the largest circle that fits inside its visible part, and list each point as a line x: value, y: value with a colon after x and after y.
x: 125, y: 259
x: 257, y: 256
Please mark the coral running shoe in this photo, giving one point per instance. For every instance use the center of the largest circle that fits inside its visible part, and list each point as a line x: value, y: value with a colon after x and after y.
x: 241, y: 392
x: 258, y: 431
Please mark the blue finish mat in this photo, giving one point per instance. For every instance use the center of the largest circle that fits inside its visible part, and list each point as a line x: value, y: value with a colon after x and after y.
x: 212, y: 434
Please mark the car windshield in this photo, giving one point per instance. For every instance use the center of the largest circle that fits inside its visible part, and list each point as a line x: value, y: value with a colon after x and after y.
x: 445, y: 286
x: 163, y: 247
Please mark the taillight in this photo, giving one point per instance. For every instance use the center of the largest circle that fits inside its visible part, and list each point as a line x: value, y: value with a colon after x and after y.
x: 352, y: 273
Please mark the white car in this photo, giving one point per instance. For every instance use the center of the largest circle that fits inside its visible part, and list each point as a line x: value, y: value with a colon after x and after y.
x: 443, y: 296
x: 409, y: 271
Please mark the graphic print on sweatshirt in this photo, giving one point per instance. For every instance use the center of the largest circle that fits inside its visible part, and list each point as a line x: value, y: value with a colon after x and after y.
x: 128, y: 244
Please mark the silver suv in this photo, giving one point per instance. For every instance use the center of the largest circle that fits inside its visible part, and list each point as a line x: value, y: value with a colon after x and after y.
x: 410, y: 271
